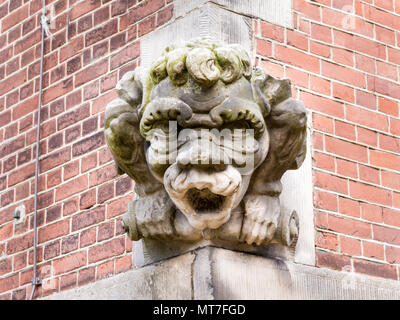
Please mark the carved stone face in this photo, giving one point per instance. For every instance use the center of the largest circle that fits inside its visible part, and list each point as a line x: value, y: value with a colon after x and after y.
x: 206, y: 138
x: 216, y: 143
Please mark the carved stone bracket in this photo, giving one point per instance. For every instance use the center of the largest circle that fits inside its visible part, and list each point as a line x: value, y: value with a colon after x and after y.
x: 207, y: 138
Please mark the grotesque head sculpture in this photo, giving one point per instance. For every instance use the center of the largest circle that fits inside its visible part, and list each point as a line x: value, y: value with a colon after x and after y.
x: 206, y: 138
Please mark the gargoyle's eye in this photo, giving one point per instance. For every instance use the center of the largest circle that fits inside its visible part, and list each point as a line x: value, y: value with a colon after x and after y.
x: 159, y: 119
x: 160, y: 112
x: 240, y: 124
x: 246, y: 119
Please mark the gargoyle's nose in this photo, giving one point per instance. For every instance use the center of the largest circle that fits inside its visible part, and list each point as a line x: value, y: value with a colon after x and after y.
x: 201, y: 154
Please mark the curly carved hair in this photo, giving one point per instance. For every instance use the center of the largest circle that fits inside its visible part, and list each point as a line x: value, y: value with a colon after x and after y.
x: 205, y: 59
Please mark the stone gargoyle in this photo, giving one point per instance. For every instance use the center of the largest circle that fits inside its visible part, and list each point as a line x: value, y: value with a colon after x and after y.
x: 191, y: 181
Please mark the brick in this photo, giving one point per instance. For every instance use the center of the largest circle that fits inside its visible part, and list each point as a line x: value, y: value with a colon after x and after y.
x: 20, y: 243
x: 371, y: 212
x: 72, y: 187
x: 53, y: 213
x: 5, y: 266
x: 389, y: 143
x: 88, y: 218
x: 346, y: 149
x: 55, y: 142
x: 386, y: 234
x: 366, y: 99
x: 321, y: 104
x: 297, y: 58
x: 86, y: 276
x: 391, y: 217
x: 349, y: 226
x: 356, y: 43
x: 368, y: 174
x: 383, y: 86
x: 54, y: 178
x: 13, y: 81
x: 101, y: 33
x: 53, y: 231
x: 392, y: 254
x: 73, y: 117
x: 343, y: 74
x: 326, y: 240
x: 105, y: 192
x: 164, y: 15
x: 350, y: 246
x: 55, y: 159
x: 24, y: 173
x: 367, y: 136
x: 101, y: 15
x: 298, y: 78
x: 127, y: 54
x: 390, y: 179
x: 345, y: 130
x: 88, y: 144
x: 70, y: 243
x: 123, y: 185
x: 145, y: 8
x: 388, y: 106
x: 74, y: 99
x: 320, y: 49
x: 89, y: 162
x: 373, y: 250
x: 83, y: 7
x: 272, y: 31
x: 331, y: 260
x: 70, y: 262
x: 90, y: 73
x: 14, y: 18
x: 87, y: 237
x: 72, y: 48
x: 320, y: 85
x: 385, y: 160
x: 375, y: 269
x: 325, y: 200
x: 52, y: 250
x: 123, y: 264
x: 72, y: 133
x: 88, y: 199
x: 370, y: 193
x: 71, y: 170
x: 57, y: 90
x: 74, y: 65
x: 105, y: 270
x: 8, y: 283
x: 68, y: 281
x: 106, y: 250
x: 349, y: 207
x: 330, y: 182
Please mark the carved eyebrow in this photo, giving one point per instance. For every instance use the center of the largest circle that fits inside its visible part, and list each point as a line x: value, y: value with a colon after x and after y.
x: 164, y: 109
x: 236, y: 109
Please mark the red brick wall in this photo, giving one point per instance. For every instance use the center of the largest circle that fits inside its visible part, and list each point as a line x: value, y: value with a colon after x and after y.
x: 81, y: 197
x: 348, y: 78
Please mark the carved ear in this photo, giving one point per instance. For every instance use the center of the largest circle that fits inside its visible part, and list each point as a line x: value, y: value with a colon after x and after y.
x: 269, y: 91
x: 123, y: 136
x: 130, y: 88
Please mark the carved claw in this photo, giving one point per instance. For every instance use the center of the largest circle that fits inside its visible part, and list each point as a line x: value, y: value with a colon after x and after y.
x: 150, y: 217
x: 261, y: 219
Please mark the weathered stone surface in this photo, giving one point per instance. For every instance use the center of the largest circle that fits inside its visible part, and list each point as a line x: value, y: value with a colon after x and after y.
x: 207, y: 139
x: 213, y: 273
x: 274, y: 11
x: 152, y: 282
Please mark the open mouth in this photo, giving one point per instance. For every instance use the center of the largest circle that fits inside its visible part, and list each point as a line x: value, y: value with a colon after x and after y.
x: 205, y: 201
